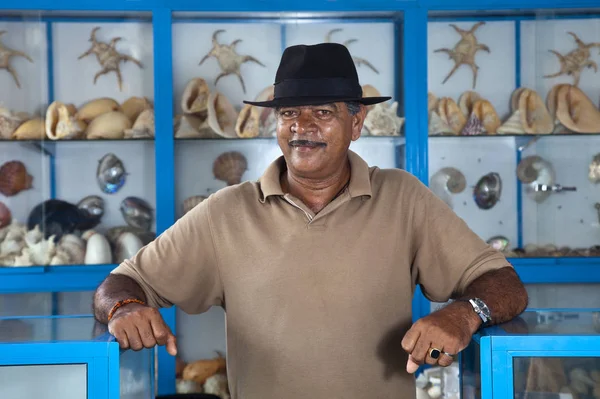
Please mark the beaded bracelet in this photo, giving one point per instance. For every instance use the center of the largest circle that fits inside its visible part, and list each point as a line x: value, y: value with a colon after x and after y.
x: 121, y: 303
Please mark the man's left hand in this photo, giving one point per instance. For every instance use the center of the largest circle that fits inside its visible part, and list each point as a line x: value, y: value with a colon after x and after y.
x: 448, y: 330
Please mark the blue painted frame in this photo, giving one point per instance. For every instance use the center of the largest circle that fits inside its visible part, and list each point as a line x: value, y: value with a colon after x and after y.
x: 413, y: 90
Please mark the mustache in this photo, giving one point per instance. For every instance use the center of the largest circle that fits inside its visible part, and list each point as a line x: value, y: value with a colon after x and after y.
x: 306, y: 143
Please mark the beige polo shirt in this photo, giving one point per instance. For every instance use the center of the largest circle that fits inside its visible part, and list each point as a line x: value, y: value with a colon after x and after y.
x: 316, y: 305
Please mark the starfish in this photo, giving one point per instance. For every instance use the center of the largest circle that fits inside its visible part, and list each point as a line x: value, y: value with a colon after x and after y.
x: 574, y: 62
x: 464, y: 51
x: 357, y: 60
x: 5, y: 56
x: 229, y: 60
x: 108, y: 57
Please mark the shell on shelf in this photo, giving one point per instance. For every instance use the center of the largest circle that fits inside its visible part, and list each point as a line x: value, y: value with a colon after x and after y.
x: 487, y: 114
x: 222, y: 116
x: 5, y: 215
x: 268, y: 117
x: 110, y: 125
x: 33, y: 129
x: 61, y: 122
x: 383, y: 120
x: 370, y: 91
x: 512, y: 125
x: 448, y: 181
x: 14, y: 178
x: 466, y: 102
x: 438, y: 126
x: 195, y: 97
x: 229, y: 167
x: 126, y: 246
x: 143, y: 126
x: 92, y: 109
x: 134, y: 106
x: 533, y: 170
x: 97, y: 249
x: 474, y: 126
x: 449, y: 112
x: 535, y: 118
x: 72, y: 248
x: 576, y: 111
x: 248, y: 122
x: 9, y: 122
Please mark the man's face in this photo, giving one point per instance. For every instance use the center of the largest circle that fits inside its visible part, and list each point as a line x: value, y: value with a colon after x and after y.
x: 314, y: 139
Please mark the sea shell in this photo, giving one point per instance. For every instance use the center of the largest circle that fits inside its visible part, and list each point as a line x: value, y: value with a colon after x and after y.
x: 143, y: 126
x: 222, y: 116
x: 487, y: 191
x: 5, y: 215
x: 532, y: 171
x: 383, y: 120
x: 499, y: 243
x: 594, y: 173
x: 248, y: 122
x: 487, y: 115
x: 217, y: 385
x: 73, y: 247
x: 450, y: 113
x: 110, y: 173
x: 191, y: 202
x: 432, y: 101
x: 33, y: 129
x: 112, y: 234
x: 97, y: 250
x: 447, y: 181
x: 512, y: 125
x: 268, y: 118
x: 551, y: 100
x: 195, y: 96
x: 127, y: 245
x: 515, y: 97
x: 474, y: 127
x: 527, y: 170
x: 229, y: 167
x: 200, y: 370
x: 61, y: 122
x: 40, y: 253
x: 535, y: 118
x: 9, y: 122
x: 134, y: 106
x: 110, y: 125
x: 137, y: 213
x: 93, y: 205
x: 370, y: 91
x: 576, y: 111
x: 466, y: 102
x: 14, y: 178
x: 92, y: 109
x: 437, y: 126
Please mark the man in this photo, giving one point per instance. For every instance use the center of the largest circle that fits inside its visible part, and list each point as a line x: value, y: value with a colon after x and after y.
x: 316, y: 263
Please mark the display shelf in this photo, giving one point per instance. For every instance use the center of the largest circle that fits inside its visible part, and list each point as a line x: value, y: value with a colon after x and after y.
x: 52, y: 278
x: 557, y: 270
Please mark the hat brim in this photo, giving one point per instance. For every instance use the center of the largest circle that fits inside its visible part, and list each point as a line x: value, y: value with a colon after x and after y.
x: 297, y: 101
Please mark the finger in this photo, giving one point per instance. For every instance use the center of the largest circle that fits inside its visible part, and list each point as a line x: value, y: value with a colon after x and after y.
x: 429, y: 359
x: 133, y: 335
x: 411, y: 365
x: 160, y: 329
x: 146, y: 334
x: 420, y: 350
x: 410, y: 339
x: 172, y: 345
x: 445, y: 360
x: 121, y: 338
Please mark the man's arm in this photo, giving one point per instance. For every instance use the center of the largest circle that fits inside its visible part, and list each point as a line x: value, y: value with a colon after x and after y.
x: 115, y: 288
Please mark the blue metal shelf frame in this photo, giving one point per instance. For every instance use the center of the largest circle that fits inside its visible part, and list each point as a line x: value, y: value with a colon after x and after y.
x: 411, y: 88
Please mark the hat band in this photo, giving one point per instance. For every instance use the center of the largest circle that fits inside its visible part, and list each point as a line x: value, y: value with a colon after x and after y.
x: 322, y: 87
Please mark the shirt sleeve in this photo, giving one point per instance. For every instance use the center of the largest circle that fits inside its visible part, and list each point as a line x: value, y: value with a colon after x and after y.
x: 448, y: 255
x: 180, y: 266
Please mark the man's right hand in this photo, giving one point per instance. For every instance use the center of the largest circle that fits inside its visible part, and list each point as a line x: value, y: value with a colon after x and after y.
x: 139, y: 326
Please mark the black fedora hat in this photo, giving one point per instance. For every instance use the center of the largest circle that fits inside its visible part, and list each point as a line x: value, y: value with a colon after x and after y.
x: 316, y: 74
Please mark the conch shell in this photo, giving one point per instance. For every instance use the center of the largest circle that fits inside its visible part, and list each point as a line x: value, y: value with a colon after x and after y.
x: 486, y: 113
x: 248, y: 122
x: 512, y: 125
x: 222, y: 116
x: 195, y: 96
x: 193, y: 127
x: 450, y: 113
x: 229, y: 167
x: 466, y: 102
x: 33, y: 129
x: 143, y: 126
x: 370, y: 91
x: 383, y: 120
x: 95, y: 108
x: 61, y: 122
x: 576, y: 111
x: 134, y: 106
x: 110, y: 125
x: 535, y: 118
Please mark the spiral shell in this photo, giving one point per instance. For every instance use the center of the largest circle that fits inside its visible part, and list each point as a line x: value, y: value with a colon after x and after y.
x: 14, y: 178
x: 229, y: 167
x: 527, y: 170
x: 61, y: 123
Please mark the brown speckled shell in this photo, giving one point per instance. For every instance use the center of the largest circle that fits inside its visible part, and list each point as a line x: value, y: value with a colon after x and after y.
x: 229, y: 167
x: 5, y: 215
x: 14, y: 178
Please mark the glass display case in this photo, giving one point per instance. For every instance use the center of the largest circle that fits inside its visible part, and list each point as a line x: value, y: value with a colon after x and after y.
x: 541, y: 354
x: 77, y: 170
x: 514, y: 127
x: 70, y: 358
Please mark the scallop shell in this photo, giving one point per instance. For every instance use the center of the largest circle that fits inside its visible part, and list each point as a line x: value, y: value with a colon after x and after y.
x: 535, y: 118
x: 97, y: 250
x: 33, y: 129
x: 195, y: 96
x: 229, y: 167
x: 383, y: 120
x: 512, y: 125
x: 93, y: 109
x: 143, y: 127
x: 61, y: 122
x: 576, y: 111
x: 450, y: 113
x: 9, y: 122
x: 487, y: 115
x: 222, y: 116
x: 466, y: 102
x: 5, y: 215
x: 248, y: 122
x: 14, y: 178
x: 134, y: 106
x: 110, y: 125
x: 191, y: 202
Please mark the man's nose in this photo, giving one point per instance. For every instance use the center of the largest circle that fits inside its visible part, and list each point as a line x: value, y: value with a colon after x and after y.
x: 304, y: 124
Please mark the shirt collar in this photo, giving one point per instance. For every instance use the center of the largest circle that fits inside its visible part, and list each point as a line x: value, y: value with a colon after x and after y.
x: 360, y: 182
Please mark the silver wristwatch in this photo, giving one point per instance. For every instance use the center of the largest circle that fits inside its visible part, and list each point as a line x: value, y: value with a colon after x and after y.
x: 481, y: 309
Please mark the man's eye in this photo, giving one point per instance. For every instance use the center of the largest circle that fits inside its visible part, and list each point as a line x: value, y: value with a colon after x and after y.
x: 324, y: 112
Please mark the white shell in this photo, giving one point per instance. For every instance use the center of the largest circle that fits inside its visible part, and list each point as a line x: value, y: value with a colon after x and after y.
x: 383, y: 120
x: 73, y: 248
x: 512, y: 125
x: 98, y: 250
x: 127, y: 245
x: 222, y: 116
